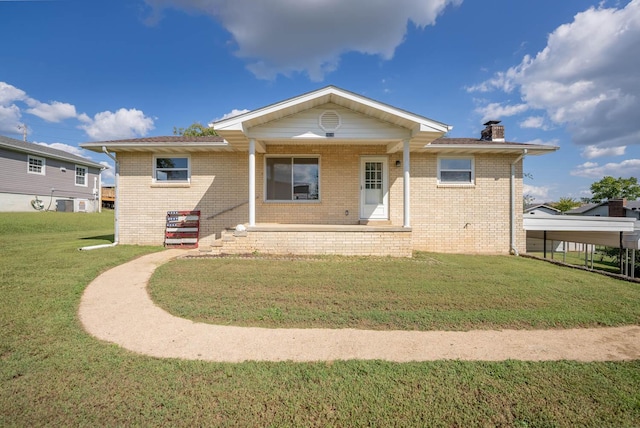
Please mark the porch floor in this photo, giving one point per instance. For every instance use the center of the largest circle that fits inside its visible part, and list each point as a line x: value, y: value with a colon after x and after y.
x: 285, y: 227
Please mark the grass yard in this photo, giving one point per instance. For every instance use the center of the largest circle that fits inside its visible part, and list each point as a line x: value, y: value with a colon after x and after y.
x: 600, y: 261
x: 428, y: 292
x: 53, y: 374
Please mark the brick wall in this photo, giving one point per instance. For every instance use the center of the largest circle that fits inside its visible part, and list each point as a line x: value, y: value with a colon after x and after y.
x: 350, y: 243
x: 446, y: 219
x: 468, y: 219
x: 218, y: 183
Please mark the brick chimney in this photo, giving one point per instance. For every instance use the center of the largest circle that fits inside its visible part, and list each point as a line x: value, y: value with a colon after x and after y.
x: 493, y: 131
x: 616, y: 207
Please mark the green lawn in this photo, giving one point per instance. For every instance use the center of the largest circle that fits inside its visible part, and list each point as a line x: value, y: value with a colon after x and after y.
x: 600, y: 261
x: 52, y: 373
x: 428, y: 292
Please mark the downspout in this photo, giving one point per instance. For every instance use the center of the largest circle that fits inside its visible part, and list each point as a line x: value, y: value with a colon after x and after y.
x: 115, y: 206
x: 514, y: 249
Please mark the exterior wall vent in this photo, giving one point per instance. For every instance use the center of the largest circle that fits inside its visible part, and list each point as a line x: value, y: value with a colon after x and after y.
x: 330, y: 121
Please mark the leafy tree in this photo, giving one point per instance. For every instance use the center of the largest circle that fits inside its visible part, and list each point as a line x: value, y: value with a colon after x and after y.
x: 612, y: 188
x: 565, y: 204
x: 195, y: 130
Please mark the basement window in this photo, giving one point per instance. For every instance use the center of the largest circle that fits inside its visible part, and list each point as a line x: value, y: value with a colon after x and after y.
x: 174, y: 169
x: 292, y: 178
x: 456, y: 170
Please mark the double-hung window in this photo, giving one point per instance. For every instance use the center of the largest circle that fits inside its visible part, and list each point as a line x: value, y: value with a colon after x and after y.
x: 81, y: 176
x: 168, y: 169
x: 456, y: 170
x: 36, y: 165
x: 292, y: 178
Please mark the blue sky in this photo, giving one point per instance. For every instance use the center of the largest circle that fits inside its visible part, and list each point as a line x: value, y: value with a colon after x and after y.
x: 555, y: 72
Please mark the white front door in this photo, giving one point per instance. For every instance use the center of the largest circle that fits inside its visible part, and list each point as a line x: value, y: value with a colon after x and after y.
x: 374, y: 188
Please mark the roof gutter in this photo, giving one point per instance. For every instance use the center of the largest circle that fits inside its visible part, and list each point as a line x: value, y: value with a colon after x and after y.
x: 117, y: 201
x: 512, y: 208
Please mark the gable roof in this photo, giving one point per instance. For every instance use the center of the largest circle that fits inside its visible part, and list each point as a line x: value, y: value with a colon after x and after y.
x: 425, y: 135
x: 533, y: 207
x: 422, y: 129
x: 45, y: 152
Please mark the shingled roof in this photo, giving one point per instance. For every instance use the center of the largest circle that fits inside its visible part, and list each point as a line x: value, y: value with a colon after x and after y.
x: 44, y: 151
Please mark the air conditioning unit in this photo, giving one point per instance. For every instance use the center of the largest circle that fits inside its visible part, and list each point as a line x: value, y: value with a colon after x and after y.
x: 64, y: 205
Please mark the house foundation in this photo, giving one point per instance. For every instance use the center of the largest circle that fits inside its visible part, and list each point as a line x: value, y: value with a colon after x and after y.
x: 305, y: 239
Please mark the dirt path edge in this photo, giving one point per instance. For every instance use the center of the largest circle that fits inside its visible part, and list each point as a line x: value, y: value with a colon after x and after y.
x: 116, y: 307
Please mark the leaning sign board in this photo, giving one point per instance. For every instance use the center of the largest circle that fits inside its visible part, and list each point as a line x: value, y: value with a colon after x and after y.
x: 182, y: 229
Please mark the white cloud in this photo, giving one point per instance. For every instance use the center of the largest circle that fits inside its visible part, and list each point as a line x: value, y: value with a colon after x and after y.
x: 626, y: 168
x: 9, y: 112
x: 9, y: 94
x: 124, y: 123
x: 536, y: 122
x: 53, y: 112
x: 586, y: 76
x: 536, y: 192
x: 108, y: 174
x: 497, y: 111
x: 9, y: 119
x: 592, y: 152
x: 323, y: 29
x: 232, y: 113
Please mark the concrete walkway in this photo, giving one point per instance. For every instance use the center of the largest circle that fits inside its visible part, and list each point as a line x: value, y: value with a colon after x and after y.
x: 116, y: 308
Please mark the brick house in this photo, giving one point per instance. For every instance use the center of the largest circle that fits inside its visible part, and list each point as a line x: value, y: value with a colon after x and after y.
x: 327, y: 172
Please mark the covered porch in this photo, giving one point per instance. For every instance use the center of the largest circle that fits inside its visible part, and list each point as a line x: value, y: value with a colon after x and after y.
x: 305, y: 151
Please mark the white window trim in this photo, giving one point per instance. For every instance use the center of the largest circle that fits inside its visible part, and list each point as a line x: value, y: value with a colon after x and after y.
x: 457, y: 184
x: 86, y: 176
x: 292, y: 201
x: 172, y: 182
x: 42, y: 169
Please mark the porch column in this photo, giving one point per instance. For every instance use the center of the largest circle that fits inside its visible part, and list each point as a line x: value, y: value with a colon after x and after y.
x: 252, y: 182
x: 406, y: 164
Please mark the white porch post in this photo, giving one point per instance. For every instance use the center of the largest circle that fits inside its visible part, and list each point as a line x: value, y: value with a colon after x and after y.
x: 406, y: 164
x: 252, y: 182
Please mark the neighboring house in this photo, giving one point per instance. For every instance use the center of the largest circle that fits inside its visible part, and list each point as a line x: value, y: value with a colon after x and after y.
x: 327, y: 172
x: 541, y: 209
x: 610, y: 208
x: 36, y: 177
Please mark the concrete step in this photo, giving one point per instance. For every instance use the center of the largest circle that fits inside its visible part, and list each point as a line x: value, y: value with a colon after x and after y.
x: 375, y: 222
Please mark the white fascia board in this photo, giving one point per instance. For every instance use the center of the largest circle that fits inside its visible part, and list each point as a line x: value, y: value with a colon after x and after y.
x: 532, y: 150
x: 97, y: 147
x: 579, y: 223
